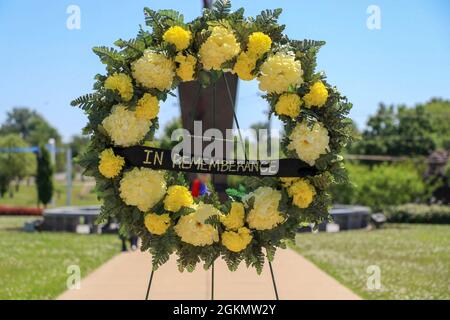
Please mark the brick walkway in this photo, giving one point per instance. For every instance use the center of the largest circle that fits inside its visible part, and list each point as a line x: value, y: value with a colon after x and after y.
x: 126, y: 277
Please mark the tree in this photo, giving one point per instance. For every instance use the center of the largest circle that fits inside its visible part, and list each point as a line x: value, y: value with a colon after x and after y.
x: 33, y: 128
x: 14, y: 165
x: 78, y: 144
x: 166, y: 141
x: 19, y: 121
x: 44, y: 177
x: 439, y: 112
x: 397, y: 131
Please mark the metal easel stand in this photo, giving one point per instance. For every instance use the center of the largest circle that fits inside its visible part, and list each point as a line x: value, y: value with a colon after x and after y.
x: 214, y: 97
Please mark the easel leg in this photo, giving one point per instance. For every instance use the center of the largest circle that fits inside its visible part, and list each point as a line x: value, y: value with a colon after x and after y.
x: 212, y: 281
x: 149, y: 285
x: 273, y: 281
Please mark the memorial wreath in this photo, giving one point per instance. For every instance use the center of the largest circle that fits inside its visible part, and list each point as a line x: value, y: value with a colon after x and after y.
x: 156, y: 204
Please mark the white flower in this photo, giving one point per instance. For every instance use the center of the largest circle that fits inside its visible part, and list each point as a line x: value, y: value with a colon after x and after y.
x: 309, y: 142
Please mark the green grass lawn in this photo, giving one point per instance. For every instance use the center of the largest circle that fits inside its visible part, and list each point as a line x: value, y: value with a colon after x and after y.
x: 414, y: 259
x: 27, y: 196
x: 34, y: 265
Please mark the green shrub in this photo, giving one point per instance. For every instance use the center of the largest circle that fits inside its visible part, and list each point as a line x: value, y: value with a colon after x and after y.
x: 380, y: 186
x: 418, y: 213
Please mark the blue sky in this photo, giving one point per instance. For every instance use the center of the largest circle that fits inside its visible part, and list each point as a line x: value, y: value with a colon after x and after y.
x: 44, y: 65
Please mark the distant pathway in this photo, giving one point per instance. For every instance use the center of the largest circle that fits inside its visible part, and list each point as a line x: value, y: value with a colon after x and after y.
x: 126, y: 277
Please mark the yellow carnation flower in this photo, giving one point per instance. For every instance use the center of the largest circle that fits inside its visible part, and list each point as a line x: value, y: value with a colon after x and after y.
x: 237, y: 241
x: 110, y: 164
x: 204, y: 211
x: 178, y: 36
x: 235, y: 218
x: 288, y: 105
x: 303, y: 193
x: 124, y: 128
x: 244, y: 66
x: 317, y: 96
x: 147, y: 107
x: 258, y: 44
x: 143, y: 188
x: 309, y: 142
x: 265, y: 215
x: 186, y: 67
x: 122, y: 83
x: 157, y: 224
x: 280, y: 72
x: 220, y: 47
x: 177, y: 197
x: 154, y: 70
x: 192, y: 228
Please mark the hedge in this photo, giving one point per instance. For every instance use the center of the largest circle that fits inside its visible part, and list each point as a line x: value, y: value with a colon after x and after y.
x: 418, y: 213
x: 20, y: 211
x: 381, y: 186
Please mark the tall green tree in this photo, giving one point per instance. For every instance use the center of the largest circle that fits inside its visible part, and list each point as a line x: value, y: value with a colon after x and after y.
x: 44, y: 177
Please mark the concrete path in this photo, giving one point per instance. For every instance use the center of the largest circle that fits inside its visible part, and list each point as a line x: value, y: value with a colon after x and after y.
x: 126, y: 277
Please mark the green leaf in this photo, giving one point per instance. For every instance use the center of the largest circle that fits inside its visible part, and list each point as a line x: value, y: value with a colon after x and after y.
x: 267, y: 17
x: 214, y: 220
x: 109, y: 56
x: 221, y: 8
x: 171, y: 18
x: 86, y: 101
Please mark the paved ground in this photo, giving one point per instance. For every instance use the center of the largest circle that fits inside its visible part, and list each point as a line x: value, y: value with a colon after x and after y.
x: 126, y: 277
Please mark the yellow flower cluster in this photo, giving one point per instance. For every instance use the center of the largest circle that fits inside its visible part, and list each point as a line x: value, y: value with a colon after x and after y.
x: 157, y: 224
x: 280, y: 72
x: 154, y: 70
x: 309, y: 142
x: 237, y: 241
x: 265, y: 215
x: 179, y: 37
x: 317, y: 96
x: 244, y: 66
x: 122, y: 83
x: 110, y: 164
x: 235, y: 218
x: 192, y: 228
x: 288, y: 105
x: 147, y: 107
x: 186, y: 66
x: 302, y: 191
x: 177, y: 197
x: 124, y: 127
x: 258, y: 44
x: 143, y: 188
x: 220, y: 47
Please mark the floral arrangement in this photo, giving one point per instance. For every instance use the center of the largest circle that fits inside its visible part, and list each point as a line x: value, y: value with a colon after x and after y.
x: 156, y: 205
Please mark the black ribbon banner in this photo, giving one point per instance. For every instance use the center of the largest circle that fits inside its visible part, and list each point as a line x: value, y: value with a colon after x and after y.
x: 161, y: 159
